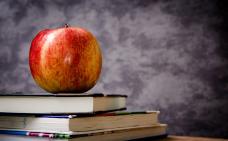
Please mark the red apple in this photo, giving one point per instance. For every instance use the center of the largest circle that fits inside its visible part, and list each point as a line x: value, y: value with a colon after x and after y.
x: 65, y: 60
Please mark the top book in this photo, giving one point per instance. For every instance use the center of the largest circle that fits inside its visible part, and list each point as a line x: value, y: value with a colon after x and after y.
x: 45, y: 103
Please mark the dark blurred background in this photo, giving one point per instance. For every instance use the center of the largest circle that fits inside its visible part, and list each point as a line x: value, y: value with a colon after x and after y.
x: 166, y: 55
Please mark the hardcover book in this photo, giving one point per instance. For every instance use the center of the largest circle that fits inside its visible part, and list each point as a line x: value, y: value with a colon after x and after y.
x: 65, y: 123
x: 60, y: 103
x: 118, y: 134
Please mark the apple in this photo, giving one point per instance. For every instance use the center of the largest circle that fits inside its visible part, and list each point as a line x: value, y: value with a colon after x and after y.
x: 65, y: 60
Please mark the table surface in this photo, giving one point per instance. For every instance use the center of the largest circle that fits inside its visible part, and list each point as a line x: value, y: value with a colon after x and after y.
x: 184, y: 138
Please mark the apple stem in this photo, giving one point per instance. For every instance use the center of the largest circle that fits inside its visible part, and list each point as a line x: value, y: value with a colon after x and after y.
x: 66, y: 25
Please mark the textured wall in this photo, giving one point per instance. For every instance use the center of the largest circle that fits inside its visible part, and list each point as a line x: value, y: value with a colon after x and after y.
x: 166, y: 55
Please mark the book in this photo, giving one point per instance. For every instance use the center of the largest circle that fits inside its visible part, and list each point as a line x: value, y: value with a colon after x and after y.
x: 64, y: 123
x: 117, y: 134
x: 44, y: 103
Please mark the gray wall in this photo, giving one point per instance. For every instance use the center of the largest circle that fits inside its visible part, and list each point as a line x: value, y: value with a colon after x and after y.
x: 166, y: 55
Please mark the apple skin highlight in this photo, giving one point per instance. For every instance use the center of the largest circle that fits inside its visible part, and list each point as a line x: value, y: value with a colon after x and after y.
x: 65, y: 60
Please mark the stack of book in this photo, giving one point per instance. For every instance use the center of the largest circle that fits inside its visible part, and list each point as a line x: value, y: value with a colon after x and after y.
x: 71, y: 117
